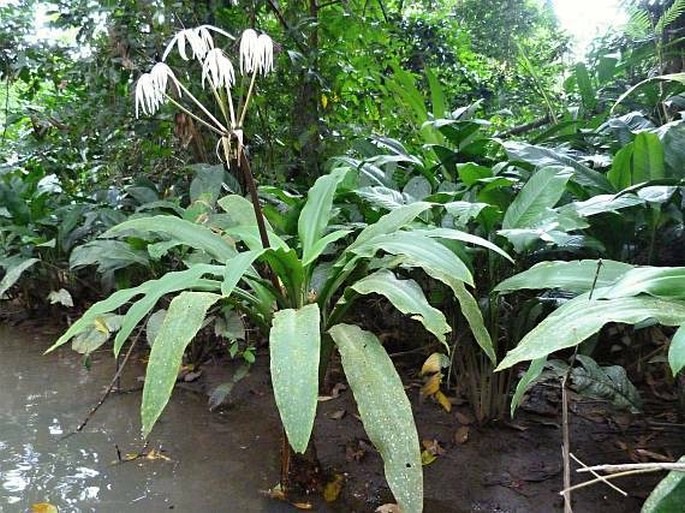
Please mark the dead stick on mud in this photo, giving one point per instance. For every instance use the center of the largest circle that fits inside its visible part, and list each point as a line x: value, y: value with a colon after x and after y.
x: 602, y: 478
x: 678, y: 467
x: 108, y: 390
x: 626, y: 473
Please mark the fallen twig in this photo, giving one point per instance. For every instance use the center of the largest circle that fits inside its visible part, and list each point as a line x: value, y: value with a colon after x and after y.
x: 602, y: 478
x: 651, y: 467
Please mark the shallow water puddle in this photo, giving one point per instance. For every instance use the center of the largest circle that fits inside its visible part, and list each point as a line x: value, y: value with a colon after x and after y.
x: 209, y: 462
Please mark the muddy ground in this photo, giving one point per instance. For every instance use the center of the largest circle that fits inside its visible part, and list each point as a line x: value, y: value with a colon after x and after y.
x: 502, y: 467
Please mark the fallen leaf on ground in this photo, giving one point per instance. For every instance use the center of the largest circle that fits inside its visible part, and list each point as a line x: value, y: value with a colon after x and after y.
x: 462, y: 435
x: 388, y: 508
x: 443, y: 400
x: 333, y: 488
x: 431, y: 386
x: 427, y: 458
x: 432, y: 364
x: 43, y: 507
x: 433, y: 446
x: 274, y: 493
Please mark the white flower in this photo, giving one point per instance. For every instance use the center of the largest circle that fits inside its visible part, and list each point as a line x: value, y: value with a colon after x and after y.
x: 151, y: 88
x: 199, y: 39
x: 256, y: 53
x: 218, y: 68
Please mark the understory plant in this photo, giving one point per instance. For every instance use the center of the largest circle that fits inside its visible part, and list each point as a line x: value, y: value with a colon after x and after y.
x: 298, y: 287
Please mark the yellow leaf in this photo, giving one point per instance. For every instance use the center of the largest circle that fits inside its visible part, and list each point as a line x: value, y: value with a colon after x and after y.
x: 431, y: 365
x: 431, y: 386
x: 324, y: 101
x: 43, y: 507
x: 101, y: 325
x: 427, y: 457
x: 444, y: 401
x: 305, y: 506
x: 332, y: 489
x: 156, y: 455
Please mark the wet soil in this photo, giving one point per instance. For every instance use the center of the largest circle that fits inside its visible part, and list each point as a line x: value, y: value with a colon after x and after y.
x: 222, y: 459
x: 503, y: 467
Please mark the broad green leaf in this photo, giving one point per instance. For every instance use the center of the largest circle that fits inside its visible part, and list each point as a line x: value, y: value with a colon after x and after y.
x: 451, y: 234
x: 289, y: 269
x: 390, y: 222
x: 191, y: 234
x: 543, y: 157
x: 385, y: 412
x: 418, y: 251
x: 252, y: 239
x: 576, y: 276
x: 669, y: 494
x: 464, y: 211
x: 534, y: 370
x: 676, y: 351
x: 108, y: 255
x: 532, y: 206
x: 154, y: 290
x: 236, y: 268
x: 408, y: 298
x: 663, y: 282
x: 295, y: 345
x: 438, y: 101
x: 471, y: 312
x: 674, y: 77
x: 621, y: 172
x: 316, y: 212
x: 648, y: 158
x: 601, y: 204
x: 321, y: 245
x: 13, y: 274
x: 580, y: 318
x: 240, y: 211
x: 183, y: 320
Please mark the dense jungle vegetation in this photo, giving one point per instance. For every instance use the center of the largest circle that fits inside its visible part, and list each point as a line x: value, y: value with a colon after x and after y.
x: 204, y: 171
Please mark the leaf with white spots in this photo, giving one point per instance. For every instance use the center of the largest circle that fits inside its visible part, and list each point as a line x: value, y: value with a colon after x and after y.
x: 384, y: 410
x: 183, y: 320
x: 295, y: 344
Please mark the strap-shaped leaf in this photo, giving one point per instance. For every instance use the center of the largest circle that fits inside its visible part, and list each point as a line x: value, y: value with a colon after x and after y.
x: 384, y: 410
x: 236, y: 267
x: 390, y: 222
x: 170, y: 282
x: 408, y: 298
x: 295, y: 345
x: 154, y: 291
x: 184, y: 318
x: 13, y: 274
x: 576, y: 276
x: 580, y: 318
x: 664, y: 282
x: 418, y: 251
x: 533, y: 204
x: 192, y: 234
x: 448, y: 233
x: 316, y: 212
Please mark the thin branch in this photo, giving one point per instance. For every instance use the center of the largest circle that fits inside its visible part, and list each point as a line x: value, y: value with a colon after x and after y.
x: 604, y: 480
x: 109, y: 388
x: 610, y: 476
x: 678, y: 467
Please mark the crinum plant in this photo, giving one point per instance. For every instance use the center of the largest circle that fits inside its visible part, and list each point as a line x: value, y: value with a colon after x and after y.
x: 298, y: 289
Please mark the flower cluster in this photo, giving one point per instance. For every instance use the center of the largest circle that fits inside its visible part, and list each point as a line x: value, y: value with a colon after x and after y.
x: 256, y: 58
